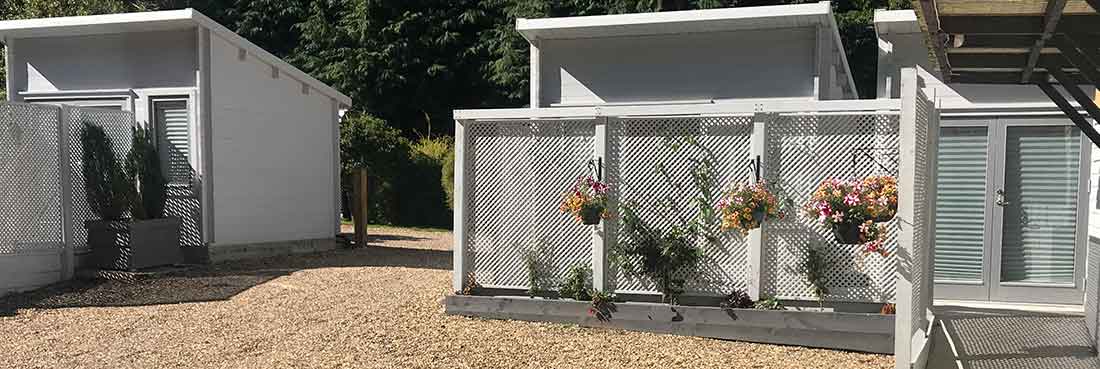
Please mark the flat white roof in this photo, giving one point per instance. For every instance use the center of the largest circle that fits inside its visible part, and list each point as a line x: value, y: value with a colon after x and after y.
x: 818, y: 14
x: 896, y: 21
x: 672, y: 22
x: 154, y: 21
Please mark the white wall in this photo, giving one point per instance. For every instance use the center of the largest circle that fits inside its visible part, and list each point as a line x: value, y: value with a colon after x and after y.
x: 115, y: 61
x: 697, y: 66
x: 273, y: 169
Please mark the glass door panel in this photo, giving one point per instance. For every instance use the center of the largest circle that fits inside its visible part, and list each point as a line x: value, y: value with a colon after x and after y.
x: 961, y: 204
x: 1039, y: 201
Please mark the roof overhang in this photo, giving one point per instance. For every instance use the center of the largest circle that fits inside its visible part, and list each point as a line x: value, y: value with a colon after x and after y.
x: 150, y: 22
x: 1040, y: 42
x: 674, y: 22
x: 689, y: 21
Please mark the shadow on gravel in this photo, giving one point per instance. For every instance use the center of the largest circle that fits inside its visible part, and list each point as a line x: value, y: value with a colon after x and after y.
x: 215, y: 282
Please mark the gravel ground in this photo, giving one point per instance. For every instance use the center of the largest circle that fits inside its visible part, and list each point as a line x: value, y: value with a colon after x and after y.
x: 378, y: 307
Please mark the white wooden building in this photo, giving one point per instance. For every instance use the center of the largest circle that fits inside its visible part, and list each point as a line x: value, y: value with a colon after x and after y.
x: 252, y: 142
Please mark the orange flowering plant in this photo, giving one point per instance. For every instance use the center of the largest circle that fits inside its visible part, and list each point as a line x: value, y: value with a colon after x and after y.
x: 586, y: 200
x: 746, y: 206
x: 853, y: 207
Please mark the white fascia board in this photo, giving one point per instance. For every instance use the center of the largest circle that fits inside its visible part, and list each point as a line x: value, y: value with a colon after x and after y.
x: 717, y: 109
x: 268, y: 58
x: 896, y: 21
x: 152, y: 21
x: 672, y: 22
x: 840, y: 47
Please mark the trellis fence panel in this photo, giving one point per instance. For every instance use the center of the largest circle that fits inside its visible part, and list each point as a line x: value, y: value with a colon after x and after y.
x: 30, y: 197
x: 640, y: 149
x: 118, y: 126
x: 517, y: 173
x: 802, y: 151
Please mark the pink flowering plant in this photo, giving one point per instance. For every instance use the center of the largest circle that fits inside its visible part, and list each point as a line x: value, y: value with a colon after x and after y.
x: 586, y: 200
x: 746, y: 206
x: 853, y: 209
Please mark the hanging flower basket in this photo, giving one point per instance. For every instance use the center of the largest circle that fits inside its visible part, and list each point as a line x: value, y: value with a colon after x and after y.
x: 847, y: 233
x: 586, y: 201
x: 853, y: 209
x: 747, y: 206
x: 591, y: 213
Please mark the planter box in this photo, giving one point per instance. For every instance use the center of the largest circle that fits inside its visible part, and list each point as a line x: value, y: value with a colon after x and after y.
x: 131, y: 245
x: 845, y: 331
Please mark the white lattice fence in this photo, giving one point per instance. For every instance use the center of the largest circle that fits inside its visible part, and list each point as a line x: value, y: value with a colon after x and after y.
x: 638, y: 146
x: 803, y: 151
x: 30, y: 196
x: 517, y: 173
x: 117, y: 124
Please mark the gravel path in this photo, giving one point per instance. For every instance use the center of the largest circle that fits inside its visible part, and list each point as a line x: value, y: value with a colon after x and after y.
x: 379, y: 307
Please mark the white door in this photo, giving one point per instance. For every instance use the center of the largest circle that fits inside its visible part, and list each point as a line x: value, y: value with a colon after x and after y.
x: 1010, y: 200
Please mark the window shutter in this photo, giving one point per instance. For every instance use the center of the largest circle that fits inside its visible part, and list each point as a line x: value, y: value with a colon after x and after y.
x: 1042, y: 166
x: 174, y: 131
x: 960, y: 203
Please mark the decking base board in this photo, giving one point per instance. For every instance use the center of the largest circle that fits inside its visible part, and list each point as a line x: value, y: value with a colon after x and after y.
x: 845, y: 331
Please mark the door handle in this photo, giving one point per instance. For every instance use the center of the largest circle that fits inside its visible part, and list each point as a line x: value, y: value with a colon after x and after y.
x: 1000, y: 201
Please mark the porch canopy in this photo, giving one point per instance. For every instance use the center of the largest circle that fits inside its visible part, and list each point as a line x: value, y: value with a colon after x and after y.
x: 1045, y: 43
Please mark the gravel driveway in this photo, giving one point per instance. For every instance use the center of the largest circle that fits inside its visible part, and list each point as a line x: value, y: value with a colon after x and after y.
x: 379, y: 307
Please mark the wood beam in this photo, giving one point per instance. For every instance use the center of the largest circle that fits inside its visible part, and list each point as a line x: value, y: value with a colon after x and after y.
x: 1095, y: 4
x: 1052, y: 15
x: 983, y: 60
x: 1074, y: 90
x: 1007, y: 78
x: 977, y: 25
x: 1089, y: 69
x: 936, y: 37
x: 1078, y: 120
x: 1034, y: 8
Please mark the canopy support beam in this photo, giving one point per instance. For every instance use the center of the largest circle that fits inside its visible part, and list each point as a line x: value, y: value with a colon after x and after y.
x: 1050, y: 24
x: 1078, y: 120
x: 1089, y: 69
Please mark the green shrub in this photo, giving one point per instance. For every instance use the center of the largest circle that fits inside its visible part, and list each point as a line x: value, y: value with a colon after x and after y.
x: 106, y: 186
x: 405, y: 176
x: 143, y: 168
x: 449, y: 179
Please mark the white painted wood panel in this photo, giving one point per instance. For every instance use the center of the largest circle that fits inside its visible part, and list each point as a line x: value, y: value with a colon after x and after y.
x: 774, y: 63
x: 272, y: 158
x: 27, y: 271
x: 114, y: 61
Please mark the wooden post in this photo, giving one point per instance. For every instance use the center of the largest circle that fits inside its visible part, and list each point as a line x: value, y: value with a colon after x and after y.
x: 758, y: 237
x: 359, y: 207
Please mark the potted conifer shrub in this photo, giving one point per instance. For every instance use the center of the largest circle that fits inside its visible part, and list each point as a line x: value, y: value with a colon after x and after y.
x: 147, y: 238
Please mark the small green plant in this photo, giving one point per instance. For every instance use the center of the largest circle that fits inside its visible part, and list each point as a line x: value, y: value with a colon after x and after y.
x: 738, y: 299
x: 540, y: 278
x: 814, y: 267
x: 768, y: 303
x: 577, y: 285
x: 603, y: 305
x: 143, y: 168
x: 663, y: 257
x: 106, y: 185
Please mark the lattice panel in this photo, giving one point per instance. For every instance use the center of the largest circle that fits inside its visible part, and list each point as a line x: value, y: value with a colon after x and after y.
x: 117, y: 124
x: 637, y: 146
x: 804, y: 150
x: 30, y: 196
x: 186, y: 204
x: 517, y: 175
x: 922, y: 249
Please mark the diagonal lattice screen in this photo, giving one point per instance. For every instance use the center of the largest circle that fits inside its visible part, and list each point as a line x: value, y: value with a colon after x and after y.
x: 30, y: 195
x: 804, y: 150
x: 117, y: 124
x: 638, y: 146
x: 518, y: 172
